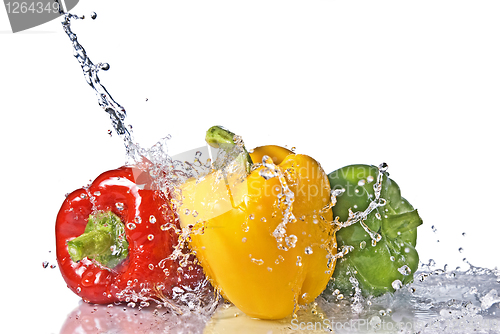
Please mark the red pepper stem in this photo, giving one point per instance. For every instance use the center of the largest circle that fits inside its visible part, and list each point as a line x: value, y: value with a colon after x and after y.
x: 103, y: 240
x: 89, y: 244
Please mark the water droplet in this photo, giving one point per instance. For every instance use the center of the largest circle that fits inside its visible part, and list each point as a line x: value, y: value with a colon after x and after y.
x: 422, y: 277
x: 119, y: 206
x: 244, y: 240
x: 315, y: 221
x: 463, y: 234
x: 151, y: 237
x: 152, y: 219
x: 396, y: 284
x: 244, y: 227
x: 45, y: 264
x: 383, y: 167
x: 370, y: 179
x: 263, y: 220
x: 340, y: 296
x: 53, y: 266
x: 103, y: 66
x: 405, y: 270
x: 392, y: 258
x: 362, y: 244
x: 269, y: 269
x: 308, y: 250
x: 138, y: 220
x: 361, y: 182
x: 375, y: 322
x: 251, y: 216
x: 131, y: 226
x: 78, y: 290
x: 299, y: 261
x: 93, y: 15
x: 195, y: 213
x: 187, y: 212
x: 433, y: 228
x: 257, y: 261
x: 461, y: 250
x: 97, y: 193
x: 110, y: 133
x: 291, y: 241
x: 151, y: 266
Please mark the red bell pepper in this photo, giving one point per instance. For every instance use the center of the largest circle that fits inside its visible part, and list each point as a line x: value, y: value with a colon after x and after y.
x: 114, y: 239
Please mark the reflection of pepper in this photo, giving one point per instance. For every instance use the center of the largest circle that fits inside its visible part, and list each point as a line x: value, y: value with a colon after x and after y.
x: 263, y: 238
x: 386, y: 264
x: 112, y: 237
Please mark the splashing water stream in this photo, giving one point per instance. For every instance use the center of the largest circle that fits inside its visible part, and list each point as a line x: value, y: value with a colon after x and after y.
x: 166, y: 173
x: 437, y: 301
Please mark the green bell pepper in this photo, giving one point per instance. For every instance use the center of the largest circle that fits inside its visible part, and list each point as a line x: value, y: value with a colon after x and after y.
x: 378, y: 232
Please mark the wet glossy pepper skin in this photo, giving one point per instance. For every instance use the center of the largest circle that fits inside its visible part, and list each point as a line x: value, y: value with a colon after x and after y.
x: 378, y: 268
x: 144, y: 213
x: 234, y: 222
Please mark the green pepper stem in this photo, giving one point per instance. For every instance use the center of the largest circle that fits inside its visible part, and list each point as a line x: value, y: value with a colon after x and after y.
x: 103, y: 240
x: 221, y: 138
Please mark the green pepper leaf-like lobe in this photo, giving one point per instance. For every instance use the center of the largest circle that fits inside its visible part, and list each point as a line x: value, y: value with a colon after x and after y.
x: 396, y: 224
x: 375, y: 265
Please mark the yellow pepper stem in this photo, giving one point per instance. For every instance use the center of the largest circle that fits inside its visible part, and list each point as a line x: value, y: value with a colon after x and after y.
x: 232, y: 144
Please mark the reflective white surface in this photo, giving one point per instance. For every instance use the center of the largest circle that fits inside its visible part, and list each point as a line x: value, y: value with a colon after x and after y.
x: 413, y: 84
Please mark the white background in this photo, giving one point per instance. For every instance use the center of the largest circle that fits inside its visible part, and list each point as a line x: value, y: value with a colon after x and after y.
x: 412, y: 83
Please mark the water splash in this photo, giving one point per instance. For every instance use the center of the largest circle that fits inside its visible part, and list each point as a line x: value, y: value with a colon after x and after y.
x: 285, y: 198
x: 438, y: 301
x: 90, y: 71
x: 361, y: 216
x: 167, y: 173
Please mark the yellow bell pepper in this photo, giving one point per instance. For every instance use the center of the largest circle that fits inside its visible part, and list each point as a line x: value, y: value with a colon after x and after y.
x: 262, y: 231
